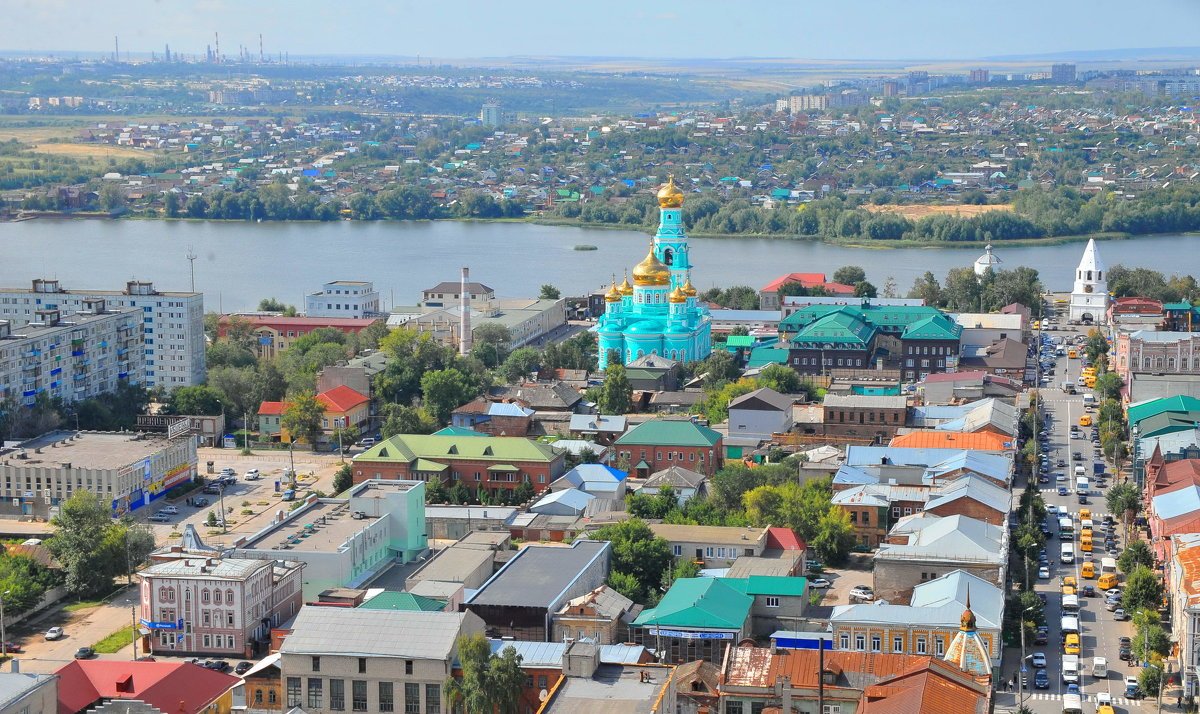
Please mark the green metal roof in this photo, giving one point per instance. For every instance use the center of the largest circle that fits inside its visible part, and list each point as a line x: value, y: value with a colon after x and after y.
x: 669, y: 432
x: 427, y: 465
x: 763, y: 356
x: 402, y: 601
x: 934, y: 327
x: 1166, y: 423
x: 1177, y: 306
x: 740, y: 341
x: 457, y: 431
x: 1143, y: 410
x: 841, y: 327
x: 891, y: 318
x: 703, y: 603
x: 769, y: 585
x: 407, y: 448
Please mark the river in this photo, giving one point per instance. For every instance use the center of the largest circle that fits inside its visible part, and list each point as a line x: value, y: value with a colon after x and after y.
x: 239, y: 263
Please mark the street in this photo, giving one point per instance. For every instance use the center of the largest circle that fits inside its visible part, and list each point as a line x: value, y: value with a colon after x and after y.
x: 84, y: 627
x: 1099, y: 632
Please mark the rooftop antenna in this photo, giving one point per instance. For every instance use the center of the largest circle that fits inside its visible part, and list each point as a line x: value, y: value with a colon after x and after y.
x: 191, y: 258
x: 116, y: 48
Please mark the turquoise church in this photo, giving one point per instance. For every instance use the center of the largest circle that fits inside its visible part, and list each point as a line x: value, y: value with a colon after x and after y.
x: 659, y: 314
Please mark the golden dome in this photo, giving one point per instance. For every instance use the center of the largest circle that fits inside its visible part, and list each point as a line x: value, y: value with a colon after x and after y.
x: 967, y: 623
x: 625, y: 287
x: 688, y: 289
x: 677, y: 295
x: 613, y: 294
x: 651, y: 271
x: 669, y: 196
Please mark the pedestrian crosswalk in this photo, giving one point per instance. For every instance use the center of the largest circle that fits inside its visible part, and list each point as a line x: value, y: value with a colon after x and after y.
x: 1052, y: 696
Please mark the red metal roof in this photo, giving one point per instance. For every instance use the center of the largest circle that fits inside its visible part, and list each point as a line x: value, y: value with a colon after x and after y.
x: 779, y: 538
x: 341, y: 399
x: 808, y: 280
x: 272, y: 408
x: 955, y: 376
x: 176, y: 687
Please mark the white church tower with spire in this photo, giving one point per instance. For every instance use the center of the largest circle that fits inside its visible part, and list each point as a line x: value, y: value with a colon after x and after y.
x: 1089, y: 296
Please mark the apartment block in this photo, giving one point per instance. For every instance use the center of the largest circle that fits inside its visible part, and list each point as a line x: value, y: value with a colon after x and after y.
x: 172, y: 323
x: 71, y: 357
x: 343, y: 298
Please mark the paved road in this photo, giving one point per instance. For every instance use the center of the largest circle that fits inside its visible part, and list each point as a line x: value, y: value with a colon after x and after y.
x: 1099, y: 631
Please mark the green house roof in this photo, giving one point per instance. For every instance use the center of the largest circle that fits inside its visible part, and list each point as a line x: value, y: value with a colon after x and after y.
x: 890, y: 318
x: 402, y: 601
x: 740, y: 341
x: 407, y: 448
x: 764, y: 356
x: 457, y: 431
x: 1143, y: 410
x: 934, y: 327
x: 841, y: 327
x: 1166, y: 423
x: 703, y: 603
x: 669, y: 432
x: 769, y: 585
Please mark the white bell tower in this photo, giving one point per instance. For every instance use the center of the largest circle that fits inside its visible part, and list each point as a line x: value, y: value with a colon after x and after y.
x: 1089, y: 296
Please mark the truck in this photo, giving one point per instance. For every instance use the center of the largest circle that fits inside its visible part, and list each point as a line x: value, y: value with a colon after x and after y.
x: 1069, y: 625
x: 1100, y: 667
x: 1097, y: 468
x: 1089, y: 400
x: 1067, y: 555
x: 1069, y: 387
x: 1070, y: 669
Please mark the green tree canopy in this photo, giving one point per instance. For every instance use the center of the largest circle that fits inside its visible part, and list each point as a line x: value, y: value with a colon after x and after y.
x: 1143, y: 590
x: 199, y: 400
x: 445, y: 390
x: 549, y: 292
x: 616, y: 394
x: 1136, y: 555
x: 302, y: 418
x: 491, y: 683
x: 849, y: 275
x: 637, y: 552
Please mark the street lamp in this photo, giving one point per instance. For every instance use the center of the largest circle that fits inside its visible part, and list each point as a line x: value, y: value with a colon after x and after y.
x: 3, y: 633
x: 1020, y: 679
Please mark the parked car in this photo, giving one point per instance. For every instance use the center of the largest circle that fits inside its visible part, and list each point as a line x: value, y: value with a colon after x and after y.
x: 85, y: 653
x: 54, y: 633
x: 160, y: 517
x: 242, y: 668
x: 1041, y: 636
x: 228, y: 471
x: 862, y: 592
x: 253, y: 475
x: 1038, y: 659
x: 1119, y: 615
x: 200, y: 502
x: 1043, y: 573
x: 169, y: 510
x: 12, y: 648
x: 1132, y: 690
x: 217, y: 665
x: 819, y: 583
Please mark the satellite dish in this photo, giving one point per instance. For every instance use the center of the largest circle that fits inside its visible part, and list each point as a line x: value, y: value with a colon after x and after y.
x: 542, y: 695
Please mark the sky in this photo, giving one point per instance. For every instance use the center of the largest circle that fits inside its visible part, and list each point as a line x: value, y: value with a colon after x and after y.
x: 817, y: 29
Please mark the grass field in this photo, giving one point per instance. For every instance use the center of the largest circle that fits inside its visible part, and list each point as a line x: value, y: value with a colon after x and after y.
x: 914, y: 213
x: 116, y: 641
x: 99, y: 151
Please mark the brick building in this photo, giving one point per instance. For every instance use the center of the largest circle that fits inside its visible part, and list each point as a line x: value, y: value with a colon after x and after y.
x: 273, y: 334
x: 864, y: 416
x: 478, y: 462
x: 661, y: 443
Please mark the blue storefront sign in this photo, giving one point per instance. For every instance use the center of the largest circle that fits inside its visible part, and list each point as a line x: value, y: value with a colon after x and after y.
x: 686, y: 635
x: 151, y: 625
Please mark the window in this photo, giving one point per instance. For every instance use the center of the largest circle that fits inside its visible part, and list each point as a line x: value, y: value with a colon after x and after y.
x: 362, y: 665
x: 412, y: 698
x: 433, y: 699
x: 316, y: 691
x: 677, y: 550
x: 733, y: 707
x: 876, y: 645
x: 258, y: 697
x: 844, y: 642
x: 939, y: 646
x: 337, y: 694
x: 897, y: 644
x: 408, y: 666
x: 860, y: 642
x: 772, y: 601
x: 316, y: 664
x: 360, y: 695
x: 293, y: 691
x: 542, y: 681
x: 385, y: 697
x: 832, y: 709
x: 921, y: 645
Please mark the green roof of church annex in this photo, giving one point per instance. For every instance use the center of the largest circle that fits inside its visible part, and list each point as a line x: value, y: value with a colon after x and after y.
x: 888, y: 317
x: 845, y: 326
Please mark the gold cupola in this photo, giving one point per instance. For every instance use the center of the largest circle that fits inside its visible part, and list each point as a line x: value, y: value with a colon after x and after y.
x: 614, y: 293
x: 677, y: 296
x: 687, y: 287
x: 651, y: 272
x: 669, y: 196
x: 625, y: 288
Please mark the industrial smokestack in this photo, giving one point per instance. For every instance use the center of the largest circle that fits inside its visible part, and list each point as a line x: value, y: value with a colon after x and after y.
x: 464, y: 324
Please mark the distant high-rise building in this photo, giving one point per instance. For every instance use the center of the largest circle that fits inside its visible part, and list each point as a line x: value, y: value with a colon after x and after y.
x: 1062, y: 73
x: 918, y: 82
x: 891, y: 89
x: 489, y: 115
x: 979, y: 76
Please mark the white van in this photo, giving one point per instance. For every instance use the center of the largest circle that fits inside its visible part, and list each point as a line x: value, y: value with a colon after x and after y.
x: 1082, y: 486
x: 1070, y: 670
x: 1089, y: 399
x: 1070, y: 603
x: 1099, y: 667
x: 1072, y: 704
x: 1079, y: 472
x: 1068, y: 553
x: 1108, y: 565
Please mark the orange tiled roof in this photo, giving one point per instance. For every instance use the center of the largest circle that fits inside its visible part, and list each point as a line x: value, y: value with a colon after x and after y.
x: 930, y: 439
x: 341, y: 399
x: 930, y: 687
x: 272, y: 408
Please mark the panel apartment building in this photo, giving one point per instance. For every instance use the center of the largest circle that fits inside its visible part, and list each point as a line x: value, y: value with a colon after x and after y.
x: 71, y: 357
x: 172, y: 323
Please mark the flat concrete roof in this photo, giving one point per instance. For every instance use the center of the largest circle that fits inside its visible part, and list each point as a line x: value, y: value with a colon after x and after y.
x: 100, y: 450
x: 613, y: 689
x: 454, y: 564
x: 323, y: 527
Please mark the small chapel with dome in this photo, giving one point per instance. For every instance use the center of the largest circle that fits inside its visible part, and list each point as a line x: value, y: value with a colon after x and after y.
x: 659, y: 314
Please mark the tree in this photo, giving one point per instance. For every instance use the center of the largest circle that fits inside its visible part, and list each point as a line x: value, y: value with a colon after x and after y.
x: 402, y: 419
x: 1150, y: 679
x: 112, y: 197
x: 784, y: 380
x: 1124, y: 500
x: 1136, y: 555
x: 849, y: 275
x: 490, y: 343
x: 81, y: 525
x: 443, y: 391
x: 1096, y: 345
x: 616, y: 394
x: 927, y: 288
x: 1108, y: 386
x: 718, y: 367
x: 652, y: 506
x: 200, y: 400
x: 1143, y: 590
x: 834, y: 536
x: 889, y: 288
x: 549, y: 292
x: 491, y: 683
x: 519, y: 364
x: 637, y: 552
x: 272, y: 305
x: 171, y: 204
x: 864, y: 289
x: 343, y: 479
x: 302, y: 418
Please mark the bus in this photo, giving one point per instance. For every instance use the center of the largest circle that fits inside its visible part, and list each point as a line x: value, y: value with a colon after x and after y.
x: 1066, y: 528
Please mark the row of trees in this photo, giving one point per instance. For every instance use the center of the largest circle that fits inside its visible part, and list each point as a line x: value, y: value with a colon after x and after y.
x: 93, y: 548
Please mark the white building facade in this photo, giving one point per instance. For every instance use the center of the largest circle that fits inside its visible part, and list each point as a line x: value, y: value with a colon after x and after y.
x: 1089, y: 296
x: 344, y: 298
x: 71, y: 357
x: 172, y: 324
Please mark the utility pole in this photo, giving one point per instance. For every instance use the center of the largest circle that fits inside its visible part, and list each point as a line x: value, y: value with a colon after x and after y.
x: 133, y: 611
x: 3, y: 632
x: 191, y: 258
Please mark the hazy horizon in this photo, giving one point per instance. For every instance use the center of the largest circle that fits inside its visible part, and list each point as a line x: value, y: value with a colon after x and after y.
x: 476, y: 29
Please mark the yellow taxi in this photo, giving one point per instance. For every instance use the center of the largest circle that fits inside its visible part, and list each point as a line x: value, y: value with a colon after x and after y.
x: 1069, y: 581
x: 1085, y: 514
x: 1071, y: 644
